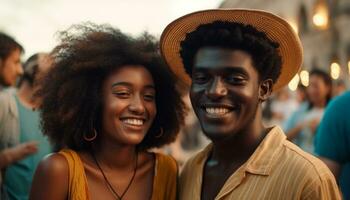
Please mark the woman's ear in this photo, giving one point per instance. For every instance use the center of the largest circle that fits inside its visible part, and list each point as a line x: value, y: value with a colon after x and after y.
x: 265, y: 89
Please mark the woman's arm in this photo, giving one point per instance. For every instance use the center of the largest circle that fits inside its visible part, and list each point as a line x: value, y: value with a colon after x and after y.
x: 51, y: 179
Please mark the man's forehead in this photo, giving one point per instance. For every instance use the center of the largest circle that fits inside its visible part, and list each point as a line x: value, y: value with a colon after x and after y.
x: 14, y: 54
x: 221, y: 58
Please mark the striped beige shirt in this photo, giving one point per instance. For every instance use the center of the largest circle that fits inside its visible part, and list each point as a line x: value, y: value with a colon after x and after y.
x: 278, y: 169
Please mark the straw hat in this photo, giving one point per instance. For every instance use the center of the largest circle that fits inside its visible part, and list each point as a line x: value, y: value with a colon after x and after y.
x: 276, y: 29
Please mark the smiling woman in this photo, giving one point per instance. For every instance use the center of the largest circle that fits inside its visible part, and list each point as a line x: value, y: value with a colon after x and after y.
x: 107, y: 100
x: 129, y: 104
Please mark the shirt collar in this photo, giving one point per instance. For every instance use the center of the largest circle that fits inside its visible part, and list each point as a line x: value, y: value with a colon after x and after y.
x: 261, y: 161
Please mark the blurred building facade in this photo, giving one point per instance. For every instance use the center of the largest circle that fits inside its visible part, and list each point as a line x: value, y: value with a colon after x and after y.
x: 323, y: 26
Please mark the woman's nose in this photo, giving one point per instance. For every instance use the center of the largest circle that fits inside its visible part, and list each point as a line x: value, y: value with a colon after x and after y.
x: 137, y: 105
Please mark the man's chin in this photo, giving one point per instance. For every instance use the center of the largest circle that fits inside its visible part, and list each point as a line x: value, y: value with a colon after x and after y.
x: 218, y: 135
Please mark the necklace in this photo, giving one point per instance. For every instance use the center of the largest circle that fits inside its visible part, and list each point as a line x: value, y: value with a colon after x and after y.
x: 110, y: 187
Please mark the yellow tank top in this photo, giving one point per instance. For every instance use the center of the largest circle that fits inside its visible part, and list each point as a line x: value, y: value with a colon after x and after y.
x: 164, y: 181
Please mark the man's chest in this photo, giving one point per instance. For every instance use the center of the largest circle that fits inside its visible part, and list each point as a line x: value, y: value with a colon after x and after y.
x: 214, y: 179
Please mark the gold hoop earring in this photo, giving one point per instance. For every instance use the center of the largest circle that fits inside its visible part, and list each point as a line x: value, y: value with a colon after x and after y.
x: 160, y: 134
x: 91, y: 138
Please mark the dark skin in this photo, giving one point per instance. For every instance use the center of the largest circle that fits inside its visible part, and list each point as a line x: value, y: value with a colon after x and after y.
x: 128, y: 112
x: 141, y: 186
x: 226, y: 95
x: 53, y: 177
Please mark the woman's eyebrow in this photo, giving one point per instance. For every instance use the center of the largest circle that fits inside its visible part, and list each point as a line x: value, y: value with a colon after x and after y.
x: 150, y: 86
x: 121, y: 83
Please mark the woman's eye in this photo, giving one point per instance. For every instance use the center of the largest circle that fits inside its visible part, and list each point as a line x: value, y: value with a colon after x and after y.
x: 149, y: 97
x: 122, y: 94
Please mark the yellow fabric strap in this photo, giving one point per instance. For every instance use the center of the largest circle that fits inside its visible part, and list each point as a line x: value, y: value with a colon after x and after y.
x: 165, y: 178
x: 77, y: 180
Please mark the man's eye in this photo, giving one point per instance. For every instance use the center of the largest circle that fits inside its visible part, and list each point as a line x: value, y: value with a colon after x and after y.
x: 235, y: 79
x: 149, y: 97
x: 200, y: 78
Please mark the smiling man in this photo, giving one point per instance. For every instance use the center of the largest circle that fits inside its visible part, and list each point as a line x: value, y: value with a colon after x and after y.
x: 233, y: 60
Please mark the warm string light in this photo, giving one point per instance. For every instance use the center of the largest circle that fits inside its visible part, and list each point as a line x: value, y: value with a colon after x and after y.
x: 335, y: 70
x: 320, y: 17
x: 293, y: 84
x: 304, y: 78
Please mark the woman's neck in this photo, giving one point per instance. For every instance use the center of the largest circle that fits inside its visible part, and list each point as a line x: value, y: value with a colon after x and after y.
x: 115, y: 155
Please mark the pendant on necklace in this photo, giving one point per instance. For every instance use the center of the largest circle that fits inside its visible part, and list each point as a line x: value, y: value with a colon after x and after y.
x: 211, y: 163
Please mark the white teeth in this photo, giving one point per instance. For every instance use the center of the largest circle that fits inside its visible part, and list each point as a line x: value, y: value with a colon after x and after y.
x: 217, y: 111
x: 137, y: 122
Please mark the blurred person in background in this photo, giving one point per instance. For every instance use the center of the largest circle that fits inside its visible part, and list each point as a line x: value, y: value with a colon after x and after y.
x: 297, y: 99
x: 20, y: 118
x: 333, y: 139
x: 282, y: 106
x: 10, y: 61
x: 301, y: 95
x: 10, y: 69
x: 301, y: 126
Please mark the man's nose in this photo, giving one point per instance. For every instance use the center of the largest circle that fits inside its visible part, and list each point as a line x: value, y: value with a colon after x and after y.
x: 19, y: 69
x: 216, y: 89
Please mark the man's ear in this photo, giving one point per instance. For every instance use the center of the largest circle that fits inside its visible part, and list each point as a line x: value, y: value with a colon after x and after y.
x: 265, y: 89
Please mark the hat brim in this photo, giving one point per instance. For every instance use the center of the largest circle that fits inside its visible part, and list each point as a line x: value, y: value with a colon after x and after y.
x: 276, y: 29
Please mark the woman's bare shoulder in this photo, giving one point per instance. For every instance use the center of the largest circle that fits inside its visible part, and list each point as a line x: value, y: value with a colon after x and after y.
x: 51, y: 176
x: 54, y: 163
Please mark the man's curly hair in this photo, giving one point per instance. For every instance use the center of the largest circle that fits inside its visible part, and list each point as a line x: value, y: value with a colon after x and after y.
x: 235, y: 36
x: 72, y: 89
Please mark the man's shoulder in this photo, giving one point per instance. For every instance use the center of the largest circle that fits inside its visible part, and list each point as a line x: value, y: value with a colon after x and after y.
x: 8, y: 102
x: 303, y: 162
x: 5, y: 94
x: 303, y: 173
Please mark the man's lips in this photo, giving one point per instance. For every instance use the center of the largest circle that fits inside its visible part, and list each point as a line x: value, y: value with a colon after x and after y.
x: 218, y: 109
